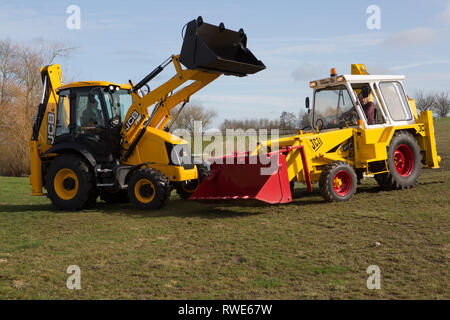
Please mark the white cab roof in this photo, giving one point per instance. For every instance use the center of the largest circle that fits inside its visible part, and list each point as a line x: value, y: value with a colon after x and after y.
x: 354, y: 77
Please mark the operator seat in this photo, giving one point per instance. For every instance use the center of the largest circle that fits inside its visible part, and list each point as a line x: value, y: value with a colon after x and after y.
x: 92, y: 115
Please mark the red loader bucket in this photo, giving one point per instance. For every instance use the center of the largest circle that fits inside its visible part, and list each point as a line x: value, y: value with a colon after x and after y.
x: 247, y: 178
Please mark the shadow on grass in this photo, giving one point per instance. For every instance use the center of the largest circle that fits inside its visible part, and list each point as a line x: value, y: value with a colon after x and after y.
x: 28, y: 208
x: 217, y: 209
x: 181, y: 209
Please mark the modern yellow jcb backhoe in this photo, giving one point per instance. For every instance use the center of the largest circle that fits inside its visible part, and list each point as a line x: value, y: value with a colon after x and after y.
x: 98, y: 138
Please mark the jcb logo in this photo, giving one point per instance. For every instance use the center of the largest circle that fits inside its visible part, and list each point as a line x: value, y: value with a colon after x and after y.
x: 421, y: 128
x: 316, y: 143
x: 131, y: 120
x: 50, y: 128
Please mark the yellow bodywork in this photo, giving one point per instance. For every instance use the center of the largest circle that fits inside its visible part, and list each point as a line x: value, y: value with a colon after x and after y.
x: 155, y: 139
x: 358, y: 146
x: 151, y: 148
x: 39, y: 146
x: 368, y: 145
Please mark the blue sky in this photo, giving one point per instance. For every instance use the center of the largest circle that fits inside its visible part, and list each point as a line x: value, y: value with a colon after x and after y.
x: 297, y: 40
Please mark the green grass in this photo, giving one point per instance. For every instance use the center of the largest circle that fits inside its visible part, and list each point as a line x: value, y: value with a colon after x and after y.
x: 306, y: 249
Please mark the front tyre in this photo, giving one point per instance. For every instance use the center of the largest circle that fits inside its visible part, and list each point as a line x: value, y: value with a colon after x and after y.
x: 148, y: 189
x: 338, y: 181
x: 70, y: 183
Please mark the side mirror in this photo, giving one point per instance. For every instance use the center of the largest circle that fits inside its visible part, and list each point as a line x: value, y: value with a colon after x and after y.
x: 307, y: 104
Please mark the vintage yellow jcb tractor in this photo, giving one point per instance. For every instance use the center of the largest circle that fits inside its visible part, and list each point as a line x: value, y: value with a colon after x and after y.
x: 361, y: 125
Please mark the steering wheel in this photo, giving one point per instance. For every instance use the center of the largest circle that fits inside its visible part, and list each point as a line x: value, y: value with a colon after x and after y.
x: 352, y: 118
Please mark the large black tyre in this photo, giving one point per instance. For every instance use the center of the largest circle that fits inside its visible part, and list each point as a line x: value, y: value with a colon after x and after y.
x: 70, y: 183
x: 114, y: 196
x: 148, y: 189
x: 404, y: 163
x: 338, y: 181
x: 186, y: 188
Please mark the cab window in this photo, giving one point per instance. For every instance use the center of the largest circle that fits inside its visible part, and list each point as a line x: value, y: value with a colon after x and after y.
x: 89, y: 114
x: 333, y: 108
x: 395, y: 100
x: 63, y: 118
x: 117, y: 103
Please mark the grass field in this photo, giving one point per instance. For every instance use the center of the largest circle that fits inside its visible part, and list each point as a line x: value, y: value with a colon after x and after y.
x: 306, y: 249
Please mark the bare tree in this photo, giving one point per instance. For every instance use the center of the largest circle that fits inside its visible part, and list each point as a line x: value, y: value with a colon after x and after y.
x: 288, y: 121
x: 304, y: 119
x: 7, y: 55
x: 192, y: 113
x: 425, y: 100
x: 20, y: 90
x: 442, y: 104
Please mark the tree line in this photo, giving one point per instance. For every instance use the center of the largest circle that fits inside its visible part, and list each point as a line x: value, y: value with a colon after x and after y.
x: 437, y: 102
x: 21, y: 88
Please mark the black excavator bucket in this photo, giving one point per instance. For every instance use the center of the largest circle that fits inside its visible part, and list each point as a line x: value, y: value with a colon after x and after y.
x: 214, y: 48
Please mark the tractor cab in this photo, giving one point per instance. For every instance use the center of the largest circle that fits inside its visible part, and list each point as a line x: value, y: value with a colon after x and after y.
x: 92, y: 113
x: 354, y: 100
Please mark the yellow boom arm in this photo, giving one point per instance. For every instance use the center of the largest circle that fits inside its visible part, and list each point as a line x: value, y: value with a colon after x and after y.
x: 165, y: 99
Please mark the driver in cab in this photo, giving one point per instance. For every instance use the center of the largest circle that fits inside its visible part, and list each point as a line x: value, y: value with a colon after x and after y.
x: 367, y: 105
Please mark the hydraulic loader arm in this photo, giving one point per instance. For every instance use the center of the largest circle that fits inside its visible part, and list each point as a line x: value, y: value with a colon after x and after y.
x: 164, y: 98
x: 207, y: 52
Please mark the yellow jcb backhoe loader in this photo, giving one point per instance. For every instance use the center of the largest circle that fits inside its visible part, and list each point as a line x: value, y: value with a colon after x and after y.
x: 98, y: 138
x: 361, y: 125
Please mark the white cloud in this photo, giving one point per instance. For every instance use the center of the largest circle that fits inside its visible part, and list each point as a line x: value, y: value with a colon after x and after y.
x: 337, y: 44
x: 411, y: 37
x: 419, y: 64
x: 306, y: 72
x: 304, y: 49
x: 445, y: 16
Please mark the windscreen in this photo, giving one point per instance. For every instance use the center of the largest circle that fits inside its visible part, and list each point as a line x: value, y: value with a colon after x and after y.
x: 333, y: 108
x: 118, y: 102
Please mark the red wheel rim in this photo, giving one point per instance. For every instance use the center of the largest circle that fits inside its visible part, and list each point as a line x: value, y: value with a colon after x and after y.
x: 403, y: 160
x: 342, y: 183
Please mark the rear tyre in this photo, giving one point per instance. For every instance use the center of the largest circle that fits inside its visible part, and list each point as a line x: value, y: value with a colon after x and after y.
x: 70, y: 183
x: 148, y: 189
x: 186, y: 188
x: 404, y: 163
x: 338, y: 181
x: 114, y: 196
